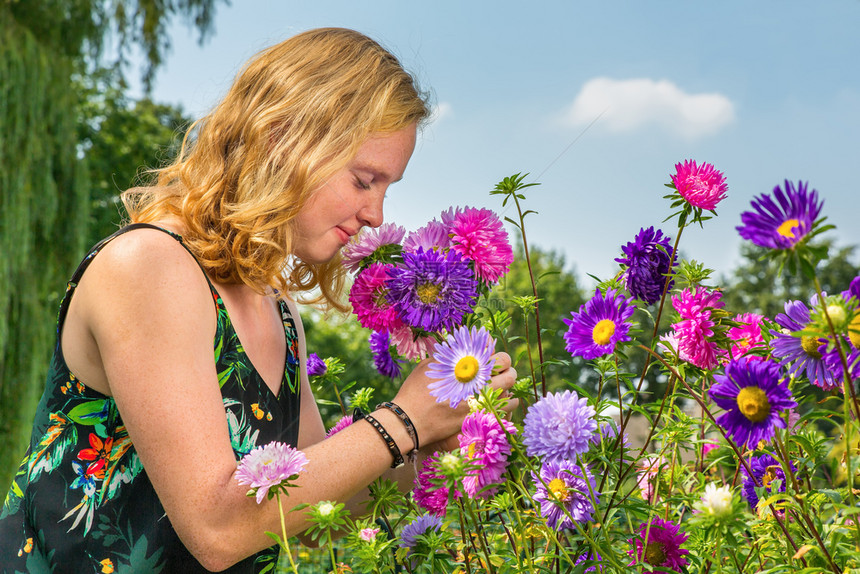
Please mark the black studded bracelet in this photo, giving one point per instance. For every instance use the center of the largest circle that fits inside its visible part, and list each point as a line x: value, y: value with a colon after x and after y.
x: 389, y: 442
x: 407, y: 422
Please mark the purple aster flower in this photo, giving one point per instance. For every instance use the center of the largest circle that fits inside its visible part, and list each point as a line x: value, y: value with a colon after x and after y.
x: 765, y: 469
x: 269, y: 466
x: 783, y: 223
x: 431, y: 290
x: 479, y: 236
x: 316, y: 367
x: 590, y: 557
x: 702, y: 186
x: 385, y: 238
x: 599, y: 325
x: 484, y: 444
x: 434, y: 235
x: 753, y: 397
x: 647, y: 261
x: 383, y: 359
x: 463, y: 363
x: 421, y: 525
x: 834, y: 365
x: 430, y: 492
x: 801, y: 354
x: 659, y: 544
x: 564, y: 485
x: 339, y: 425
x: 368, y: 296
x: 559, y: 426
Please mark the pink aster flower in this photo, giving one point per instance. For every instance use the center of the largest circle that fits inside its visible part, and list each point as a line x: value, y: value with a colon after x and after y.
x: 368, y: 534
x: 479, y: 236
x: 411, y: 346
x: 483, y: 443
x: 701, y: 186
x: 434, y: 235
x: 747, y: 335
x: 694, y: 331
x: 659, y: 544
x: 647, y: 474
x: 339, y: 425
x: 430, y: 492
x: 369, y: 301
x: 270, y: 466
x: 364, y: 244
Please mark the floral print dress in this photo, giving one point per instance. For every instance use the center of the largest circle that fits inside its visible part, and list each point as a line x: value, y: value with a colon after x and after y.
x: 81, y: 500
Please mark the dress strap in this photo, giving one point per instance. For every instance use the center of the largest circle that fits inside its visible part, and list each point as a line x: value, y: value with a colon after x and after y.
x: 85, y: 263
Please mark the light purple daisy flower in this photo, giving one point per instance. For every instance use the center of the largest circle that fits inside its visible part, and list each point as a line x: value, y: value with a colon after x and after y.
x: 559, y: 426
x: 564, y: 484
x: 386, y: 237
x: 783, y: 223
x: 801, y: 354
x: 421, y: 525
x: 431, y: 290
x: 386, y: 364
x: 316, y: 367
x: 754, y: 397
x: 434, y: 235
x: 269, y: 466
x: 463, y: 363
x: 599, y: 325
x: 484, y: 443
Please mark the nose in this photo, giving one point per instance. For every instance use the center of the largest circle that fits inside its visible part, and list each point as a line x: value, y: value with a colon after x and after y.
x: 370, y: 213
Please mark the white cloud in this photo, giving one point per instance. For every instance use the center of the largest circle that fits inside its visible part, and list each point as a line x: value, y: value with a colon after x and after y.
x: 441, y: 111
x: 628, y: 105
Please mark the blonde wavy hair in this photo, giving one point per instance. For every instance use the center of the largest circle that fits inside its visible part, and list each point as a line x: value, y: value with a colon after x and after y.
x: 296, y: 113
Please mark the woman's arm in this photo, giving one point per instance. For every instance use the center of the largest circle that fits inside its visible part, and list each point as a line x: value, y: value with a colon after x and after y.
x: 151, y: 315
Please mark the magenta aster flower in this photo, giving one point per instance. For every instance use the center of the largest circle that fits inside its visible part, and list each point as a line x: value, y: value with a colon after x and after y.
x: 801, y: 354
x: 269, y: 466
x: 765, y: 469
x: 479, y: 236
x: 694, y: 332
x: 463, y: 364
x: 753, y: 397
x: 410, y: 345
x: 564, y: 485
x: 383, y: 359
x: 431, y: 290
x: 599, y: 325
x: 339, y: 425
x: 747, y: 336
x: 382, y: 241
x: 434, y: 235
x: 659, y: 544
x: 783, y: 223
x: 701, y: 186
x: 430, y: 492
x: 316, y: 367
x: 647, y: 264
x: 559, y: 426
x: 369, y: 299
x: 484, y: 443
x: 421, y: 525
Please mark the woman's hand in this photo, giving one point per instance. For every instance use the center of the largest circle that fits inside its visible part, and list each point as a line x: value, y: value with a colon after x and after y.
x: 438, y: 423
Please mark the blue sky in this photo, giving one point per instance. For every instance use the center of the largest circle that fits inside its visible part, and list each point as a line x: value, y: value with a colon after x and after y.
x: 765, y: 91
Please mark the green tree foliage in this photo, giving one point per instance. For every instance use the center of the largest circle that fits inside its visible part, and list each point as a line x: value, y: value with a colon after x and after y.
x: 44, y: 188
x: 757, y: 287
x: 120, y: 139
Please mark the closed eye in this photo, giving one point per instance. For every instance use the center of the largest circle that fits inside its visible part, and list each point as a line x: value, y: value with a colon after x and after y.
x: 361, y: 184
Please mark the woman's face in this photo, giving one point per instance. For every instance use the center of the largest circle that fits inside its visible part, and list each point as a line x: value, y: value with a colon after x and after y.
x: 352, y: 197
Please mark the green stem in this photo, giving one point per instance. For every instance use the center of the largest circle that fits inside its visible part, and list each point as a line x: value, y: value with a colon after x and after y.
x: 284, y: 543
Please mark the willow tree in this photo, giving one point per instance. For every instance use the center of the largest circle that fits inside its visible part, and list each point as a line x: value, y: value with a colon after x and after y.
x: 44, y: 188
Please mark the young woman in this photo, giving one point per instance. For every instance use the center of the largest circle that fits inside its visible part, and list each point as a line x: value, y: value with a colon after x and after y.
x: 179, y: 345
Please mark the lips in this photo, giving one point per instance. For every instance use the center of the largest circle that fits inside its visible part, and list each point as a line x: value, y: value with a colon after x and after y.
x: 344, y: 234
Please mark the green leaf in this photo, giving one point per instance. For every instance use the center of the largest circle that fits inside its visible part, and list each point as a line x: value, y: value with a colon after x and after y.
x: 89, y: 413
